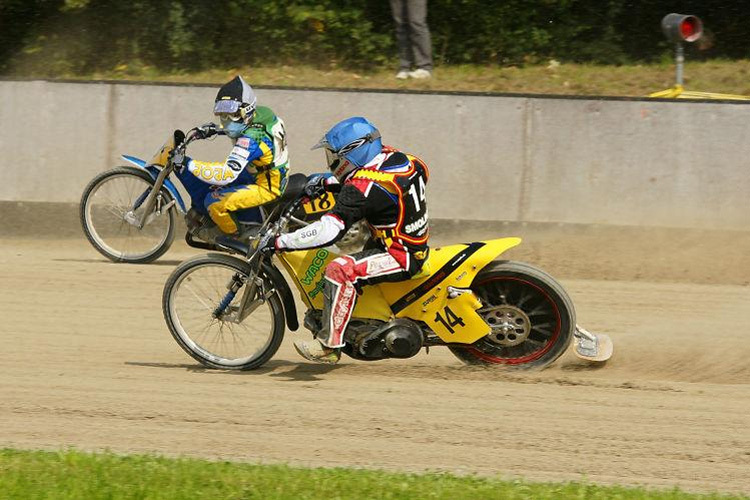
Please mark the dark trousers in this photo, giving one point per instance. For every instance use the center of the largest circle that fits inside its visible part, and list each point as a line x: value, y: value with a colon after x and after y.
x: 412, y: 33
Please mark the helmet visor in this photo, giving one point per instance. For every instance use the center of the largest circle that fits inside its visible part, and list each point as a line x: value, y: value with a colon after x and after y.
x: 322, y: 143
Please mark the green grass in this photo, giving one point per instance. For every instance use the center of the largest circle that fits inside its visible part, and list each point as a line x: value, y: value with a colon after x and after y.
x: 73, y: 475
x: 729, y: 77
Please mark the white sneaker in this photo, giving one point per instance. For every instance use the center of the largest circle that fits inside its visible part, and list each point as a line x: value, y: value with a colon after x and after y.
x: 402, y: 75
x: 420, y: 74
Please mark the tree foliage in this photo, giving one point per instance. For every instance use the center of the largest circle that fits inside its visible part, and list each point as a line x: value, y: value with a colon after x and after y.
x: 81, y: 36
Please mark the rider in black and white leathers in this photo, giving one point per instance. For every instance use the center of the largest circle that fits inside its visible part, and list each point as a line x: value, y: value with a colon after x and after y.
x: 386, y: 188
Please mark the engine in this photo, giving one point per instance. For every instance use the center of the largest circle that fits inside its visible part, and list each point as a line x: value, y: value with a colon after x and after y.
x: 398, y: 338
x: 371, y: 339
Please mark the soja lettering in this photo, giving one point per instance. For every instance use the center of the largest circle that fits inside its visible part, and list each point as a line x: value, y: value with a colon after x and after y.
x: 208, y: 172
x: 315, y: 266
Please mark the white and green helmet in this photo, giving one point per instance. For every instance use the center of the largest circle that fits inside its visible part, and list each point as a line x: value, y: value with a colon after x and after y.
x: 235, y: 105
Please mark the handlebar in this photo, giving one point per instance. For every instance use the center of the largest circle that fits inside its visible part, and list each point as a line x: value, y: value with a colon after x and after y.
x: 192, y: 135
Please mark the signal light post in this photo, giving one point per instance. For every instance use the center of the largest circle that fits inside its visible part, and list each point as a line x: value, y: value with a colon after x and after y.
x: 680, y: 28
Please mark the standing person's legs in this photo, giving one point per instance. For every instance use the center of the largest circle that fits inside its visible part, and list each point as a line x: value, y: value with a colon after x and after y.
x: 405, y: 56
x: 419, y: 33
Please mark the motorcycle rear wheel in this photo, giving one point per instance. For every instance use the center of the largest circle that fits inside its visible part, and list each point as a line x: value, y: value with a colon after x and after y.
x: 530, y: 313
x: 108, y: 199
x: 194, y: 291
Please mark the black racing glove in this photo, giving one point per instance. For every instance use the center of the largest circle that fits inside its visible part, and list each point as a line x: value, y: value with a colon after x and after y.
x: 207, y: 130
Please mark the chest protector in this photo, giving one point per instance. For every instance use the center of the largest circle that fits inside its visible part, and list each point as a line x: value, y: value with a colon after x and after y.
x: 408, y: 189
x: 267, y: 125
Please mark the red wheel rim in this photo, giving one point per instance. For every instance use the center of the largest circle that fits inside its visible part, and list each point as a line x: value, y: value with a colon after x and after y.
x: 535, y: 354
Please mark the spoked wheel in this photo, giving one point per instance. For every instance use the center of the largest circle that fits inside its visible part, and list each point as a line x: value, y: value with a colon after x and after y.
x: 111, y: 206
x: 202, y: 306
x: 531, y: 316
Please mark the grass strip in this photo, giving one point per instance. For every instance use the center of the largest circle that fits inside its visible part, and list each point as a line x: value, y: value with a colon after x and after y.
x: 32, y: 475
x: 721, y: 76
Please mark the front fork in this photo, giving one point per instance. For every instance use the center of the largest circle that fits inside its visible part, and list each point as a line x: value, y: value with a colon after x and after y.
x: 250, y: 301
x: 159, y: 209
x: 152, y: 197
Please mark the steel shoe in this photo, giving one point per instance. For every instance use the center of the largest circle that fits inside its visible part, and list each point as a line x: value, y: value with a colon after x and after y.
x: 314, y: 350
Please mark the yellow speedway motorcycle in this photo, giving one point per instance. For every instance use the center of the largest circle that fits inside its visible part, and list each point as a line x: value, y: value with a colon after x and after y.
x: 230, y: 312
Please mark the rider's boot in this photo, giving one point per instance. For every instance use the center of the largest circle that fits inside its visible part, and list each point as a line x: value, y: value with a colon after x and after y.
x: 314, y: 350
x: 209, y: 233
x: 202, y: 227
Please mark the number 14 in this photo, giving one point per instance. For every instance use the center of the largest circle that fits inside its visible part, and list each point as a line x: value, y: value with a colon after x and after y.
x: 450, y: 320
x: 413, y: 193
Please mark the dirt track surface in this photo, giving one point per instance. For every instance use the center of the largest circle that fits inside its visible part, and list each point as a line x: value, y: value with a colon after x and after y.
x: 89, y: 363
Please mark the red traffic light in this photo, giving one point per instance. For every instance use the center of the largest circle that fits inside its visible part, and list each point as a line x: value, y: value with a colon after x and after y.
x: 682, y: 28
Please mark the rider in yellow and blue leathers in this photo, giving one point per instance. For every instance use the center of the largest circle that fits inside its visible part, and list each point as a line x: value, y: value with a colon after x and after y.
x: 255, y: 171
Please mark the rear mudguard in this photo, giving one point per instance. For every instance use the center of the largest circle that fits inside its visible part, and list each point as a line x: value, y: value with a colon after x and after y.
x: 443, y: 299
x: 154, y: 173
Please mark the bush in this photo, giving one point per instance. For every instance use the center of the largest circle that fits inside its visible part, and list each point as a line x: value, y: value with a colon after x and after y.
x: 83, y: 36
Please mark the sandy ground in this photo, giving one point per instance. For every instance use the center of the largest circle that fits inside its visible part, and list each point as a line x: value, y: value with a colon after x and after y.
x: 88, y: 363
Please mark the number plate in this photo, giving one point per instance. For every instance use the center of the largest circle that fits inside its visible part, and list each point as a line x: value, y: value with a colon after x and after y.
x: 321, y: 204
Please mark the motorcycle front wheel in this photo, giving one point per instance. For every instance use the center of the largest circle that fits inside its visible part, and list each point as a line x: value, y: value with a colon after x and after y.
x: 531, y: 317
x: 111, y: 206
x: 202, y: 305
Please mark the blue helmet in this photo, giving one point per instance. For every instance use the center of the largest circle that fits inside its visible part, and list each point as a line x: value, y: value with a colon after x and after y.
x: 350, y: 144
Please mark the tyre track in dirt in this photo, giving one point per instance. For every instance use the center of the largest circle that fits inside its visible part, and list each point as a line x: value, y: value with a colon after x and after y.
x: 89, y: 364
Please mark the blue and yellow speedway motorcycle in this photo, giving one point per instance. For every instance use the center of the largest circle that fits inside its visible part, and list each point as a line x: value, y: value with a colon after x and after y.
x: 231, y: 311
x: 129, y: 213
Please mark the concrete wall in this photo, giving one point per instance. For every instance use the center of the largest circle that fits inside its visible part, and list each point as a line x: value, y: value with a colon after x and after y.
x: 492, y: 157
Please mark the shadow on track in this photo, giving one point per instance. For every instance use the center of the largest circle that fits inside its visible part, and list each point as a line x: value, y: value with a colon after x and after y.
x: 300, y: 372
x: 172, y: 263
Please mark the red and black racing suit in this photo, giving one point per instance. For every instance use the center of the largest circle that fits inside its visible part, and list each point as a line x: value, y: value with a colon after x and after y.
x: 388, y: 193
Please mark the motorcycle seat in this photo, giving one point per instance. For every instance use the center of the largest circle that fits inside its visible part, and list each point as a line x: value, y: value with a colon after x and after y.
x: 294, y: 186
